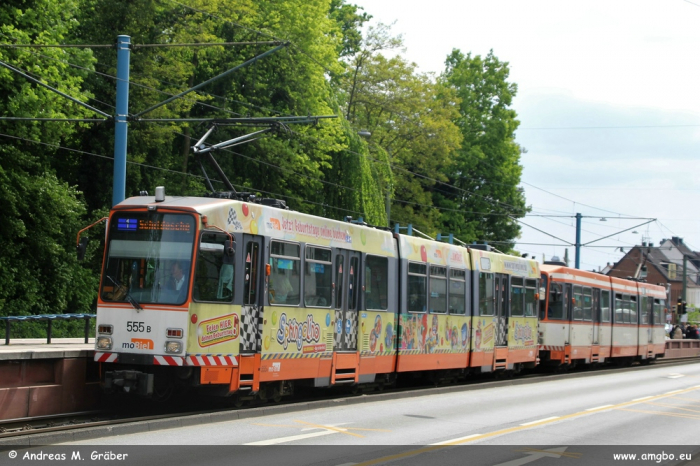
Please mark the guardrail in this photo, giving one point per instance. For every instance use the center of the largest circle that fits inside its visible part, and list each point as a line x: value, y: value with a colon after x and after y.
x: 676, y: 349
x: 49, y: 318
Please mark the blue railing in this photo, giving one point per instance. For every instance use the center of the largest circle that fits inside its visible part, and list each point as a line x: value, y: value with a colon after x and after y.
x: 49, y: 318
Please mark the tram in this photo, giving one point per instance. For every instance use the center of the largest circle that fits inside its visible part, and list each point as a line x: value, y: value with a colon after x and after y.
x: 589, y: 318
x: 245, y: 297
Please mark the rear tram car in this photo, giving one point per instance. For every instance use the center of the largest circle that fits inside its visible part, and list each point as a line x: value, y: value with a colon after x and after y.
x: 246, y: 298
x: 589, y: 318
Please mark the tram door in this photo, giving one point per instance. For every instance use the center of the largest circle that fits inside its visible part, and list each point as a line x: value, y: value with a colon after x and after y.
x: 596, y: 315
x: 251, y: 310
x: 347, y: 282
x: 502, y: 309
x: 568, y: 312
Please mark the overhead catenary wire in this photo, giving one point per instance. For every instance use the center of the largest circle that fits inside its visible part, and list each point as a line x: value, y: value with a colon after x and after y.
x: 467, y: 192
x: 176, y: 172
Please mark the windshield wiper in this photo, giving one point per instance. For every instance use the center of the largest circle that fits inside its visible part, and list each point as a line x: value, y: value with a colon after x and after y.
x: 129, y: 299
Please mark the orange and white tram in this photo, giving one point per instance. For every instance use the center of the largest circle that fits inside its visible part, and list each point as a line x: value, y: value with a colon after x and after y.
x: 586, y: 317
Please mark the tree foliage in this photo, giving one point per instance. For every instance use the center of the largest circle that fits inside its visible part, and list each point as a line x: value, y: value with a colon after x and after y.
x: 439, y: 146
x: 481, y: 199
x: 41, y: 214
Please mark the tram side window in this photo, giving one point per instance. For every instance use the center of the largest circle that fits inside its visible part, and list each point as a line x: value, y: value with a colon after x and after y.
x: 605, y: 306
x: 353, y: 280
x: 619, y: 304
x: 530, y: 297
x: 587, y: 304
x: 556, y: 301
x: 543, y: 295
x: 285, y: 260
x: 213, y: 279
x: 317, y: 283
x: 659, y: 305
x: 339, y: 280
x: 376, y: 280
x: 251, y: 273
x: 438, y: 290
x: 634, y: 309
x: 458, y: 290
x: 578, y: 303
x: 487, y: 294
x: 517, y: 297
x: 417, y: 284
x: 644, y: 310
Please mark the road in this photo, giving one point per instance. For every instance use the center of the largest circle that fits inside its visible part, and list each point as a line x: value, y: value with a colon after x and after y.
x: 654, y: 406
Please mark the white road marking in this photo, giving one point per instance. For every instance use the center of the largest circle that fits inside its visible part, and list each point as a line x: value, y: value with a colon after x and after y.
x: 446, y: 442
x: 536, y: 455
x: 675, y: 376
x: 540, y: 420
x: 293, y: 438
x: 643, y: 398
x: 674, y: 391
x: 599, y: 407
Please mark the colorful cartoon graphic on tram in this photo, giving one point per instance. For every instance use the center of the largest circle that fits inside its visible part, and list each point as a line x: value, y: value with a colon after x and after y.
x: 425, y: 333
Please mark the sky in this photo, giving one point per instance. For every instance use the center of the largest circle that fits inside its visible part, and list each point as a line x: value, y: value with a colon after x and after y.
x: 609, y: 108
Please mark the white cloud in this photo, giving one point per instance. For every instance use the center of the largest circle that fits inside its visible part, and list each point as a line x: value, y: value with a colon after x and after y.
x: 580, y: 64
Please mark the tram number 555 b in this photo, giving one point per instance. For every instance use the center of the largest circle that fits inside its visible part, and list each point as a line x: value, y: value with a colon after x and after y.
x: 137, y: 327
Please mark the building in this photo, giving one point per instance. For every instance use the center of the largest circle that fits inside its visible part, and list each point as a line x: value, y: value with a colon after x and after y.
x: 663, y: 265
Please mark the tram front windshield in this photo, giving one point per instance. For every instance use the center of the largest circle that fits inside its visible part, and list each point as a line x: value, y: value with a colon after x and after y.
x: 149, y: 258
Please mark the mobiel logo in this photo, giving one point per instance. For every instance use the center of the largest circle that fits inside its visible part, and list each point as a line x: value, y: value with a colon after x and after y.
x: 139, y: 344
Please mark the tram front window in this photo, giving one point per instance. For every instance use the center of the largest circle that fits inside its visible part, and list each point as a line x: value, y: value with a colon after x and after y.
x: 149, y: 257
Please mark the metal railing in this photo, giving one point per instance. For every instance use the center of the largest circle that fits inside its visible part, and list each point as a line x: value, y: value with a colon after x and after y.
x: 49, y: 318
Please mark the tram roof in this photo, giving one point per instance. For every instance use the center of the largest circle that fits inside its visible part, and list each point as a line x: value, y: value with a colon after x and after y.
x: 237, y: 216
x: 588, y: 278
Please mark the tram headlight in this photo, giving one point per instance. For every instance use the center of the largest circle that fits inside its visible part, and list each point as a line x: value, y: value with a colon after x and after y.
x: 103, y: 343
x: 173, y: 346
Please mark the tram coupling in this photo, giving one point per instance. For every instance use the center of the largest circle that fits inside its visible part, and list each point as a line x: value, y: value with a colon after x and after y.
x: 127, y: 381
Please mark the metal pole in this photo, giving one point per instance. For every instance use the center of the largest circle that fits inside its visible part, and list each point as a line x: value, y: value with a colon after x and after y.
x: 578, y: 241
x: 120, y: 122
x: 685, y: 276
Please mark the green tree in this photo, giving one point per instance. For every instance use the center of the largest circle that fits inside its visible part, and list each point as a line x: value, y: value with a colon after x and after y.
x: 41, y: 214
x: 409, y: 116
x: 481, y: 199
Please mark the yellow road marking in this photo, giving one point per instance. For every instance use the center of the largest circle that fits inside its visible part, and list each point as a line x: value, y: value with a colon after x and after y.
x: 686, y: 416
x: 342, y: 431
x: 510, y: 430
x: 694, y: 400
x: 673, y: 407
